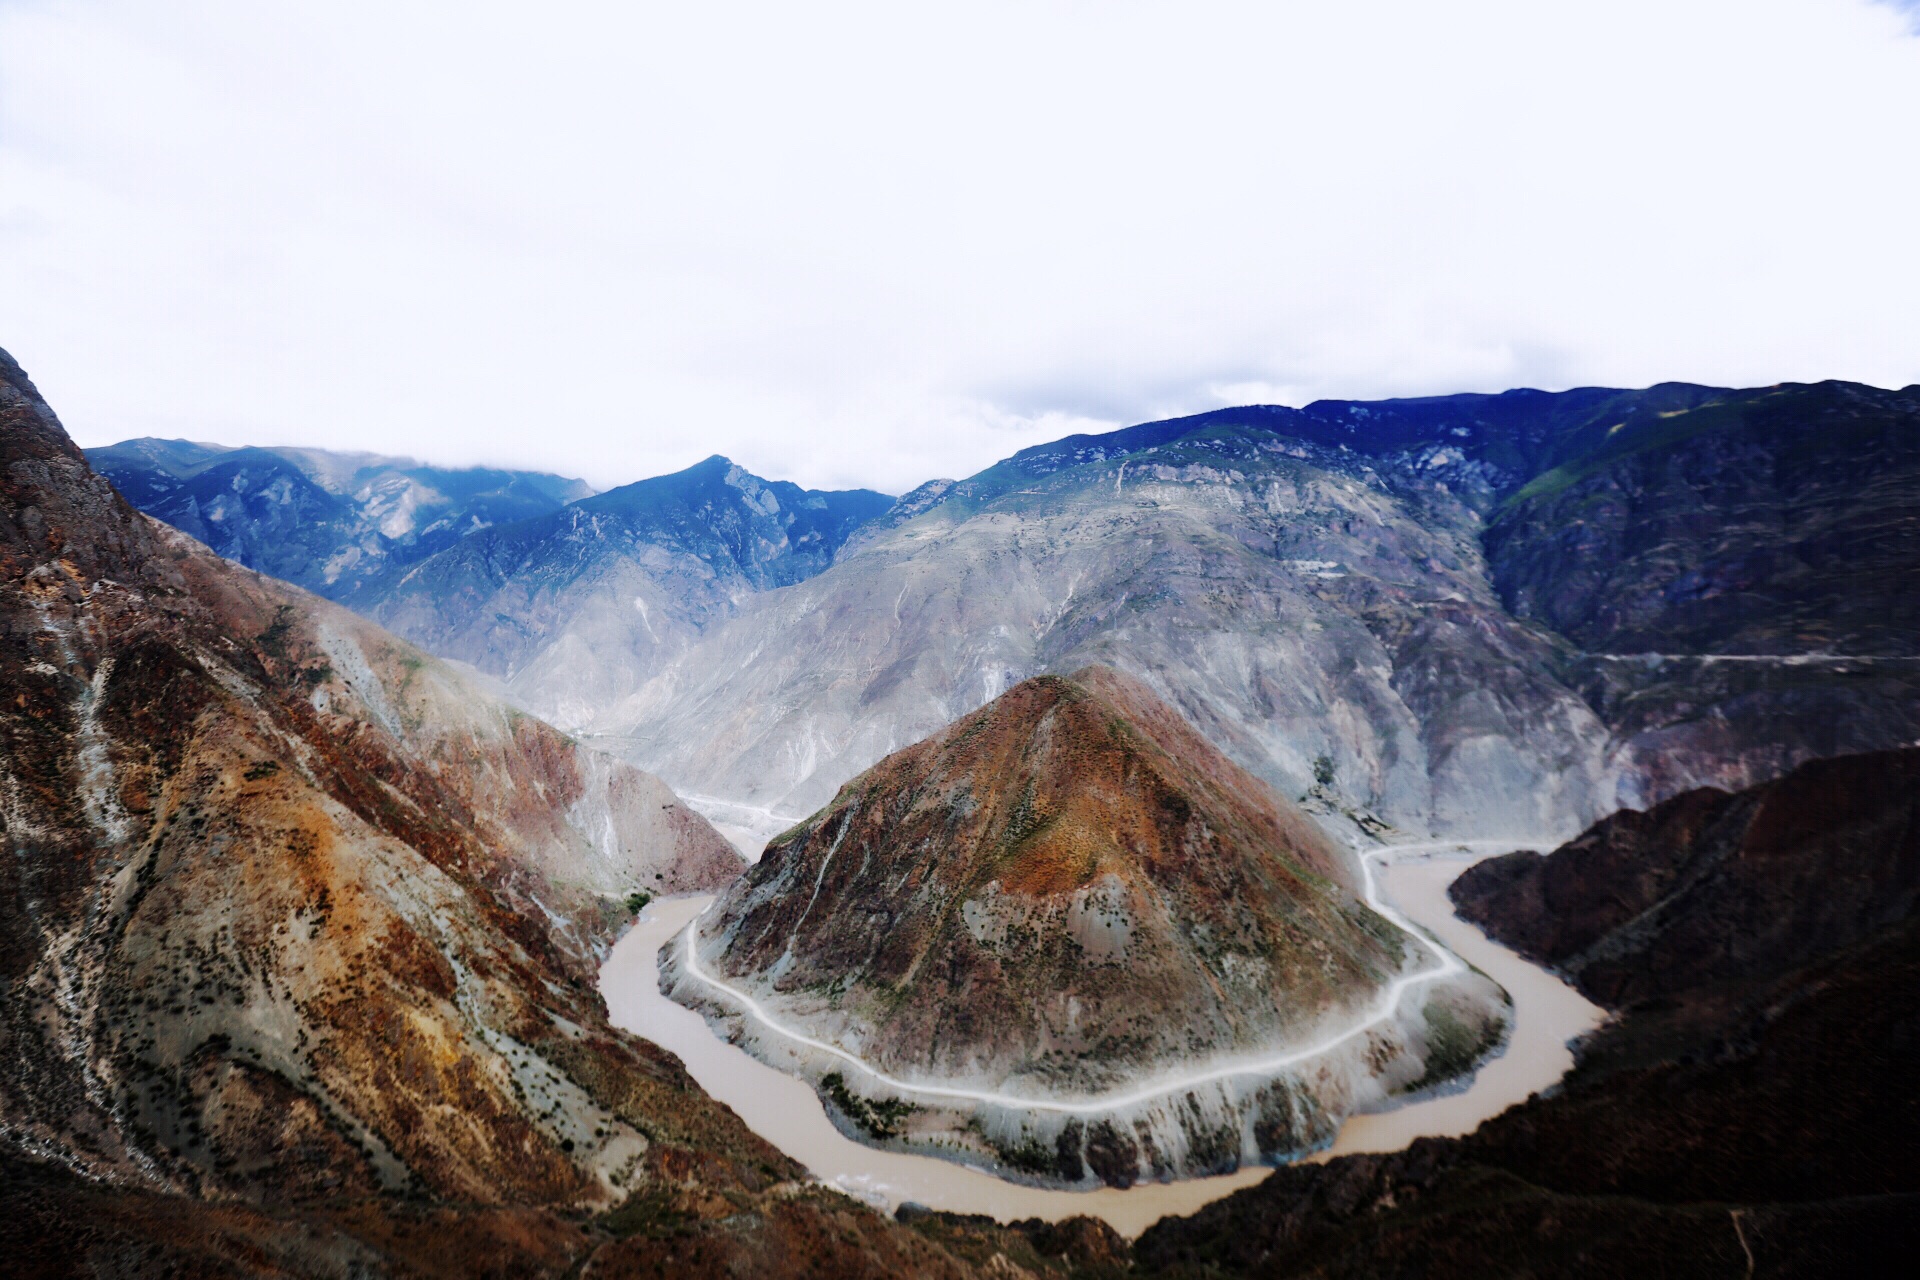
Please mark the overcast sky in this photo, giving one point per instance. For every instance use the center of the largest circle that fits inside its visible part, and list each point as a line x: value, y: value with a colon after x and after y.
x: 870, y: 244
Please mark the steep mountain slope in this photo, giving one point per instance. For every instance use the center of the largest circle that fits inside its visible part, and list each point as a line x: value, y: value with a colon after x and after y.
x: 1710, y: 887
x: 330, y: 522
x: 1749, y: 1111
x: 575, y: 609
x: 1776, y: 521
x: 1473, y: 614
x: 298, y: 932
x: 1069, y: 895
x: 1745, y: 576
x: 1278, y: 592
x: 1314, y: 583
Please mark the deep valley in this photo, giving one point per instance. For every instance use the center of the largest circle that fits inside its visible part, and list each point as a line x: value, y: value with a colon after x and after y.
x: 1069, y: 776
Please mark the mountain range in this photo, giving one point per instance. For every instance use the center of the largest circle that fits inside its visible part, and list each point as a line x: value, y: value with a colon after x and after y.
x: 298, y: 922
x: 1474, y: 615
x: 334, y: 523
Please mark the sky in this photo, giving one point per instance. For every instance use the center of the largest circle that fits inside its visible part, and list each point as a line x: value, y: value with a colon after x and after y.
x: 870, y: 244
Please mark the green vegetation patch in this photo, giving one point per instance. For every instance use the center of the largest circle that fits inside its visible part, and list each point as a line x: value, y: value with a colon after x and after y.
x: 879, y: 1118
x: 1453, y: 1047
x: 649, y: 1213
x: 1627, y: 438
x: 274, y: 639
x: 1029, y: 1155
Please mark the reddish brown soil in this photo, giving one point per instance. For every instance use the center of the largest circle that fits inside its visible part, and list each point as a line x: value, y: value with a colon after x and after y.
x: 1136, y: 898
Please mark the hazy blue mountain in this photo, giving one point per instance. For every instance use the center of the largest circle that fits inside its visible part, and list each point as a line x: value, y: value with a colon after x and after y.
x: 576, y: 608
x: 331, y: 522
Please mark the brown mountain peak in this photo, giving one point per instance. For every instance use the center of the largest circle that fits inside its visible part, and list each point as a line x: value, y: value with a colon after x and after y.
x: 1066, y: 896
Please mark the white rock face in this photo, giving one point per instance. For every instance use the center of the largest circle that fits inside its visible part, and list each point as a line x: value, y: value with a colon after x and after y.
x: 1290, y: 612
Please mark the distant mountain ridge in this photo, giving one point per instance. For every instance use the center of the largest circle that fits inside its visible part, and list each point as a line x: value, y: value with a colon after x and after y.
x: 328, y: 521
x: 1513, y: 611
x: 1380, y: 586
x: 575, y: 609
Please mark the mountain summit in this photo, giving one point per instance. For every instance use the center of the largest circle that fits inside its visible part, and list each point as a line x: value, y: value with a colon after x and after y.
x: 577, y: 608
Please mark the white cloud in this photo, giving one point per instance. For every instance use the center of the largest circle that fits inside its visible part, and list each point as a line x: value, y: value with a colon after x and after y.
x: 873, y: 243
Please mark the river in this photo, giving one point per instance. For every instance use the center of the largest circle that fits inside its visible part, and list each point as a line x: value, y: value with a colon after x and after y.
x: 786, y: 1112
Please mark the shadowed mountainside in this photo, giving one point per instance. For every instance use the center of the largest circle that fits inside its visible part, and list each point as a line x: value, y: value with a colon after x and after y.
x: 334, y: 523
x: 1748, y: 1111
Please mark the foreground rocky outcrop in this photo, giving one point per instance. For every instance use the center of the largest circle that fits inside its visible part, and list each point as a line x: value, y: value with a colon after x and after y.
x: 1069, y: 895
x: 298, y: 933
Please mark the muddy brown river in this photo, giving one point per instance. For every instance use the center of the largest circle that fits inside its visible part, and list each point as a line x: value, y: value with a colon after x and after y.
x: 786, y: 1112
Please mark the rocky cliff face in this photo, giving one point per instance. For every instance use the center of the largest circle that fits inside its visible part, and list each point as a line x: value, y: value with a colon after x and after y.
x: 298, y: 932
x: 334, y: 523
x: 1066, y: 895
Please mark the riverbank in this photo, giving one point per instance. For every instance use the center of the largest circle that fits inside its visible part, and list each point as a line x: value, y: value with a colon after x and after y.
x: 786, y: 1111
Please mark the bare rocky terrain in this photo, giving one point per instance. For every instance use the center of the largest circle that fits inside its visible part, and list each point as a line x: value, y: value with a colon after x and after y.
x: 1069, y: 895
x: 298, y: 934
x: 1476, y: 615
